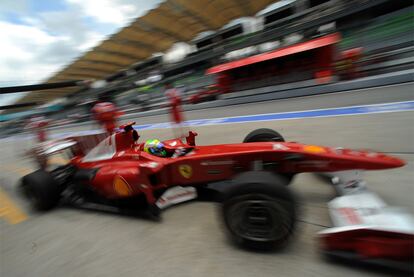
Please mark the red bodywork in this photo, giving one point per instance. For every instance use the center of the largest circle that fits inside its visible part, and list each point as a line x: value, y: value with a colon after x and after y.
x: 129, y: 171
x: 371, y: 243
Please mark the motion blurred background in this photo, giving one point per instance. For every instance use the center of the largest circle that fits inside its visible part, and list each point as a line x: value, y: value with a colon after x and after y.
x: 227, y: 58
x: 181, y: 42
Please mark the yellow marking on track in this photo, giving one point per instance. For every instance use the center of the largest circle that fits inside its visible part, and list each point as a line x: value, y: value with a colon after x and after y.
x: 23, y: 171
x: 9, y: 210
x: 16, y: 169
x: 57, y: 160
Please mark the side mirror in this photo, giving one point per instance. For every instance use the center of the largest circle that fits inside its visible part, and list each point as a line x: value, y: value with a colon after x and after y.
x: 127, y: 127
x: 135, y: 135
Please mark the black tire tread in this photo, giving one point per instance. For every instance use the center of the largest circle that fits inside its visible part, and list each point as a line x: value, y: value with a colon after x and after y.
x: 266, y: 134
x: 263, y: 134
x: 266, y: 184
x: 43, y: 188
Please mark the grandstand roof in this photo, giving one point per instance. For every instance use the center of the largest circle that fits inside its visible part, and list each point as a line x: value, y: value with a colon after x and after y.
x: 172, y: 21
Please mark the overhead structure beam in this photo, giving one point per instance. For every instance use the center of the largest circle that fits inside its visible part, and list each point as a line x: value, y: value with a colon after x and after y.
x: 205, y: 9
x: 225, y: 9
x: 162, y: 20
x: 41, y: 97
x: 159, y: 41
x: 119, y: 47
x: 133, y: 32
x: 257, y: 5
x: 135, y: 43
x: 241, y: 6
x: 81, y: 76
x: 188, y: 12
x: 66, y: 78
x: 153, y: 29
x: 131, y: 56
x: 245, y: 4
x: 83, y: 71
x: 14, y: 89
x: 174, y: 19
x: 15, y: 106
x: 58, y: 91
x: 102, y: 65
x: 108, y: 58
x: 89, y: 68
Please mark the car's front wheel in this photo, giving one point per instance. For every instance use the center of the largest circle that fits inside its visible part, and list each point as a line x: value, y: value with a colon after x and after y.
x: 259, y: 211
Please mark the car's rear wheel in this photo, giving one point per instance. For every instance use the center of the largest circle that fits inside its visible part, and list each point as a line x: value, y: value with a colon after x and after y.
x: 267, y: 135
x: 259, y: 211
x: 262, y: 135
x: 42, y: 190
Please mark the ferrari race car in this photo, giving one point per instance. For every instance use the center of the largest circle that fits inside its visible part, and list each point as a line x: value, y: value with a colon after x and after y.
x: 249, y: 179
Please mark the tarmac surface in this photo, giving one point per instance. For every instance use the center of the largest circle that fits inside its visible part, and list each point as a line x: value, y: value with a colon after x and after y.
x: 190, y: 240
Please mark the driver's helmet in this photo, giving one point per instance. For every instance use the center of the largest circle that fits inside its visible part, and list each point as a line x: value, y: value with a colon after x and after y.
x: 155, y: 147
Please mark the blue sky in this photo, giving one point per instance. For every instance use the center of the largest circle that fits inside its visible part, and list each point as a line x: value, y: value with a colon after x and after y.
x: 40, y: 37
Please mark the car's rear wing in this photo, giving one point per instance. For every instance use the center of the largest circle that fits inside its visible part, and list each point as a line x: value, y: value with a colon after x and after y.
x: 85, y: 143
x: 60, y: 151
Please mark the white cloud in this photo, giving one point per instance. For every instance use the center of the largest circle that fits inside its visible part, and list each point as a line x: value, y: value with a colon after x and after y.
x: 18, y: 53
x: 19, y: 57
x: 36, y: 45
x: 118, y: 12
x: 19, y: 6
x: 30, y: 53
x: 92, y: 40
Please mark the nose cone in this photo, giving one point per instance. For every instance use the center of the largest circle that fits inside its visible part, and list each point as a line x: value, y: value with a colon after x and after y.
x: 382, y: 161
x: 396, y: 162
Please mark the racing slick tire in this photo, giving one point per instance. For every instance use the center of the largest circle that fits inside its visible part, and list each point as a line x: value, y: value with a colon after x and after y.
x: 263, y: 134
x: 259, y: 211
x: 42, y: 190
x: 266, y: 134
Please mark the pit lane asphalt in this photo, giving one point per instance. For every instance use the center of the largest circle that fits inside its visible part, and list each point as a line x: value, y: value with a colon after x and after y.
x: 190, y: 240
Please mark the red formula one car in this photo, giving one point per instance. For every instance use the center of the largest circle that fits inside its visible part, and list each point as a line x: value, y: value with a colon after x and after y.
x: 250, y: 179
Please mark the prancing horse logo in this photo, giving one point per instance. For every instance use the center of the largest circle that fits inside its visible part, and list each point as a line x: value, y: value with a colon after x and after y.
x: 185, y: 170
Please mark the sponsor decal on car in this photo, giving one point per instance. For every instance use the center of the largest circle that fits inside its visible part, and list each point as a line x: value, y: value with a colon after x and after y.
x: 214, y: 171
x: 371, y: 154
x: 176, y: 195
x: 279, y: 146
x: 354, y: 153
x: 313, y: 163
x: 225, y: 162
x: 338, y: 150
x: 350, y: 215
x: 150, y: 164
x: 185, y: 170
x: 314, y: 149
x: 121, y: 186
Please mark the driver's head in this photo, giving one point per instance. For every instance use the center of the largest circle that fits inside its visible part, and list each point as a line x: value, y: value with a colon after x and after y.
x: 155, y: 147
